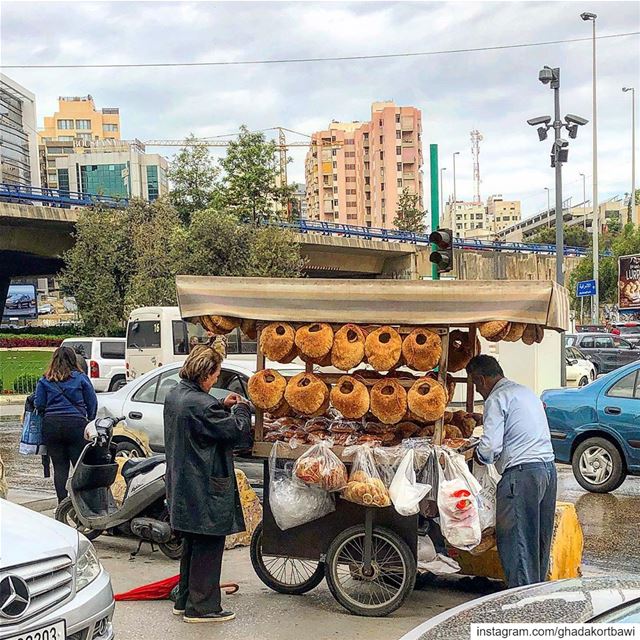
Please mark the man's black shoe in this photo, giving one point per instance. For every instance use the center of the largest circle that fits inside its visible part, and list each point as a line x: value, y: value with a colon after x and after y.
x: 220, y: 616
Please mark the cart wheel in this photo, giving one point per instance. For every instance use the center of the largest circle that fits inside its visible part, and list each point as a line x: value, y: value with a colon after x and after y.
x: 392, y: 577
x: 284, y: 574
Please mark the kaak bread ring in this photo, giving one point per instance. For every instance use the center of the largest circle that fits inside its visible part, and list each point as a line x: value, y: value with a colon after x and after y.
x: 248, y: 327
x: 388, y: 401
x: 533, y: 333
x: 460, y: 351
x: 515, y: 332
x: 266, y: 389
x: 307, y: 394
x: 427, y: 399
x: 350, y: 397
x: 219, y: 325
x: 383, y: 348
x: 422, y: 349
x: 495, y: 330
x: 277, y: 341
x: 314, y: 341
x: 348, y: 347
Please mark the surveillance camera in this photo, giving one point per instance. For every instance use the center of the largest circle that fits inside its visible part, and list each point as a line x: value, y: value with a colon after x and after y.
x: 575, y: 119
x: 561, y: 142
x: 546, y: 75
x: 534, y: 122
x: 587, y: 15
x: 573, y: 131
x: 542, y: 133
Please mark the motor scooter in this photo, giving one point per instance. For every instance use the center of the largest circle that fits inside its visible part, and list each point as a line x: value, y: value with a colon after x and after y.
x: 91, y: 507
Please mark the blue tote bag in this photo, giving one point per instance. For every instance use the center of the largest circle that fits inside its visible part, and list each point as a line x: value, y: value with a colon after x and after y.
x: 31, y: 438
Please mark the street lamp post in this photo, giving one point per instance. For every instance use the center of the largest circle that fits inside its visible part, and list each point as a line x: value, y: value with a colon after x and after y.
x: 559, y: 156
x: 588, y: 16
x: 442, y: 169
x: 634, y: 219
x: 548, y: 206
x: 584, y: 200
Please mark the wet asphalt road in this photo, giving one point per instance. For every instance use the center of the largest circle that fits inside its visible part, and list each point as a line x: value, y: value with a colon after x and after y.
x: 610, y: 522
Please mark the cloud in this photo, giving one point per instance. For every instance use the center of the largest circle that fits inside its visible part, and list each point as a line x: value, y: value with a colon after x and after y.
x: 493, y: 91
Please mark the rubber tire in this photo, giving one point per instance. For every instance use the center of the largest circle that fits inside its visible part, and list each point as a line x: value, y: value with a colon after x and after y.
x: 117, y: 383
x: 172, y: 552
x: 583, y: 382
x: 126, y: 446
x: 618, y: 475
x: 255, y: 552
x: 406, y: 554
x: 62, y: 513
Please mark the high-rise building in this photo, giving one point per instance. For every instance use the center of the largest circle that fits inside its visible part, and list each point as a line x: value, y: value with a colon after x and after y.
x: 77, y: 122
x: 476, y: 220
x: 503, y: 213
x: 113, y: 168
x: 19, y: 148
x: 356, y: 171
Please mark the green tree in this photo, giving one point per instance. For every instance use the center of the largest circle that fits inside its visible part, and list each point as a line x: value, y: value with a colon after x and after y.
x: 250, y: 188
x: 409, y: 214
x: 274, y: 253
x: 574, y: 236
x: 194, y: 179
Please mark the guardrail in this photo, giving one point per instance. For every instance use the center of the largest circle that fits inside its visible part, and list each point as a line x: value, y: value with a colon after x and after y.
x: 56, y: 197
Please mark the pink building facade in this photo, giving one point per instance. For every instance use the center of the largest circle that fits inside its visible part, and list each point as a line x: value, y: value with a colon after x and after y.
x: 355, y: 172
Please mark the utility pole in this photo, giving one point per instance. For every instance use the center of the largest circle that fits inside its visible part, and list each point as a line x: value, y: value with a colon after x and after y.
x: 435, y: 201
x: 584, y: 202
x: 634, y: 218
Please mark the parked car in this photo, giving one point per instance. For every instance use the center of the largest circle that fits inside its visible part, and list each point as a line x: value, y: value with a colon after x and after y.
x: 630, y: 331
x: 19, y: 301
x: 45, y: 308
x: 586, y: 600
x: 605, y: 350
x: 52, y: 584
x: 596, y: 429
x: 580, y: 370
x: 105, y: 359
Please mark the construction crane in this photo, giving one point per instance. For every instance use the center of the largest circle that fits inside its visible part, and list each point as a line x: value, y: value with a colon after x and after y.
x: 476, y: 138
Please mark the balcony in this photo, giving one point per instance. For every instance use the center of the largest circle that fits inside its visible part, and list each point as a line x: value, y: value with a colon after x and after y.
x: 409, y: 175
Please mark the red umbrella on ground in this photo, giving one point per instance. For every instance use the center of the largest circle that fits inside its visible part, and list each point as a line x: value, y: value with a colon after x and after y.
x: 162, y: 589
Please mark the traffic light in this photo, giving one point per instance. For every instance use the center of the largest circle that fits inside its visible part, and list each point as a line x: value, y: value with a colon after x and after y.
x: 443, y: 256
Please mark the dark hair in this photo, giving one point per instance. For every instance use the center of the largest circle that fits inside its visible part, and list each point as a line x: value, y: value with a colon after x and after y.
x: 484, y: 365
x: 62, y: 365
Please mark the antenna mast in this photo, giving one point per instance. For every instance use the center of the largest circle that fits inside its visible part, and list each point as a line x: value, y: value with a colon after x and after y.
x: 476, y: 137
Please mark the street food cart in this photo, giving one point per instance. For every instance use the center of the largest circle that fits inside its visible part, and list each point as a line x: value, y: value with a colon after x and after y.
x: 367, y: 554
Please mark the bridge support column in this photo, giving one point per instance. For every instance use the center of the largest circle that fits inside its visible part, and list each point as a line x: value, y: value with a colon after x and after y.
x: 4, y: 290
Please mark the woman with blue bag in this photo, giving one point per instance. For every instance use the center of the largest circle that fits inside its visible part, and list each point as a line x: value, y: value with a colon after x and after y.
x: 66, y: 401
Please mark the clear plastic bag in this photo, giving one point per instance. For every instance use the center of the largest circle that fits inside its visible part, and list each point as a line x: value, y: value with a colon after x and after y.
x: 429, y: 474
x: 365, y: 485
x: 405, y: 492
x: 457, y: 502
x: 320, y: 467
x: 488, y: 478
x: 293, y: 503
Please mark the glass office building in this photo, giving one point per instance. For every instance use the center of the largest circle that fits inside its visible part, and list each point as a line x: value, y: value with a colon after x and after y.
x: 104, y: 180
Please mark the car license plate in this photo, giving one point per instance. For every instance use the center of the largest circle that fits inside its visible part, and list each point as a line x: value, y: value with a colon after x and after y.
x: 55, y: 631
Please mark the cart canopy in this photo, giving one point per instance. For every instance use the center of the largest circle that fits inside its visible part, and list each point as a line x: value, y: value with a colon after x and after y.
x: 421, y: 302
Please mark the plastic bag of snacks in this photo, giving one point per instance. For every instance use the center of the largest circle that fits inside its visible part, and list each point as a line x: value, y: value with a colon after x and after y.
x: 429, y: 474
x: 320, y: 467
x: 365, y: 486
x: 405, y: 491
x: 488, y: 477
x: 457, y: 502
x: 292, y: 502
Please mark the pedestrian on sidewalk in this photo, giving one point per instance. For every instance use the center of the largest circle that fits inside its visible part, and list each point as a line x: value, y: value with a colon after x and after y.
x: 517, y: 440
x: 200, y: 433
x: 67, y: 401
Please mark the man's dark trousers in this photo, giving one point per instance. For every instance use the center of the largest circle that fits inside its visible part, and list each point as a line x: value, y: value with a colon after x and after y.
x: 526, y: 506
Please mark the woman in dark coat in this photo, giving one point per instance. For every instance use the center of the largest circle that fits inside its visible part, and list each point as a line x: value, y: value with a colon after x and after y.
x: 204, y: 504
x: 67, y: 400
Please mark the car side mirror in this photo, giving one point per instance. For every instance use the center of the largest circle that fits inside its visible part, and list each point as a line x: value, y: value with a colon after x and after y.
x: 573, y: 362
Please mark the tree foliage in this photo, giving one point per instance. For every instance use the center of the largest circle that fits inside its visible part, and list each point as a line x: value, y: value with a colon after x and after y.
x: 409, y: 215
x: 194, y: 179
x: 250, y: 188
x: 574, y: 236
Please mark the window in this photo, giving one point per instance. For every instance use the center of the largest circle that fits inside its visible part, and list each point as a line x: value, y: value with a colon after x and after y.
x: 84, y: 136
x: 349, y: 141
x: 349, y: 154
x: 399, y: 182
x: 459, y: 226
x: 352, y: 216
x: 104, y: 179
x: 143, y: 334
x: 335, y: 189
x: 366, y: 166
x: 398, y: 134
x: 63, y: 179
x: 110, y: 127
x: 180, y: 338
x: 382, y: 155
x: 380, y: 122
x: 399, y: 166
x: 351, y: 192
x: 112, y: 350
x: 147, y: 393
x: 81, y: 347
x: 335, y: 203
x: 350, y: 179
x: 587, y: 343
x: 397, y: 117
x: 479, y: 216
x: 335, y: 165
x: 571, y: 340
x: 398, y: 151
x: 350, y: 167
x: 153, y: 189
x: 603, y: 343
x: 365, y: 136
x: 382, y: 186
x: 229, y: 382
x: 619, y: 343
x: 83, y: 124
x: 65, y: 124
x: 624, y: 388
x: 351, y: 204
x: 334, y: 152
x: 65, y: 138
x: 367, y: 180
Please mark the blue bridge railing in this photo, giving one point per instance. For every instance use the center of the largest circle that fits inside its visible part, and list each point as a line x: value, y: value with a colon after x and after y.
x: 56, y: 197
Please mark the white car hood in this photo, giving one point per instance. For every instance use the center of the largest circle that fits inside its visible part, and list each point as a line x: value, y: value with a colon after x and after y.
x: 27, y: 536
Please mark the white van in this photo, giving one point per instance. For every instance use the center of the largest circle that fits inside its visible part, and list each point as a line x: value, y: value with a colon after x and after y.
x: 157, y: 336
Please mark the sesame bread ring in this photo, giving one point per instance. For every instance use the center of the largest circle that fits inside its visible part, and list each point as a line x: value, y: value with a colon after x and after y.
x: 348, y: 347
x: 388, y: 401
x: 350, y: 397
x: 515, y: 332
x: 307, y: 394
x: 314, y: 340
x: 248, y: 327
x: 219, y: 325
x: 266, y: 389
x: 460, y: 351
x: 530, y: 334
x: 383, y: 348
x: 495, y: 330
x: 277, y: 341
x: 422, y: 349
x: 427, y: 399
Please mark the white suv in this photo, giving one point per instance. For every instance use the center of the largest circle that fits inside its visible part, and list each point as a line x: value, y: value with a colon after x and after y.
x: 105, y: 359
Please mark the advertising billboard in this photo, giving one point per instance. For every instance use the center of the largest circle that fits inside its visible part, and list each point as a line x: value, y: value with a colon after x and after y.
x: 21, y: 302
x: 629, y: 283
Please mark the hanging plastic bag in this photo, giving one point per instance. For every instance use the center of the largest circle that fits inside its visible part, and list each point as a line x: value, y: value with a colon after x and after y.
x: 293, y: 503
x: 320, y: 467
x: 488, y: 478
x: 436, y: 563
x: 457, y: 503
x: 429, y: 474
x: 387, y: 460
x: 405, y: 491
x: 365, y: 485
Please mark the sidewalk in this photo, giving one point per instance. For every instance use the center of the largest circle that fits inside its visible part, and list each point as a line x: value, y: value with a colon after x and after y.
x: 34, y: 499
x: 11, y: 406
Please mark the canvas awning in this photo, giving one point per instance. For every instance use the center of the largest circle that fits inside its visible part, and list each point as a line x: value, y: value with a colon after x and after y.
x: 444, y: 302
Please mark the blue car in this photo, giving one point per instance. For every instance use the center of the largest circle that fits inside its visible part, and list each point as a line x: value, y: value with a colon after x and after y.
x: 596, y: 428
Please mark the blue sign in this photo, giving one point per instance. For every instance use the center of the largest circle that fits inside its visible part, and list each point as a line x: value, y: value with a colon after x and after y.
x: 586, y: 288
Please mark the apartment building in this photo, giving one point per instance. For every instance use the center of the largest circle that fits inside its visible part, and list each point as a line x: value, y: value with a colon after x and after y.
x: 503, y: 213
x: 356, y: 171
x: 479, y: 221
x: 19, y: 148
x: 119, y: 169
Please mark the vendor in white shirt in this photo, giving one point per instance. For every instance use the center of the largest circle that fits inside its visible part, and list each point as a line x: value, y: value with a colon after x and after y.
x: 517, y: 440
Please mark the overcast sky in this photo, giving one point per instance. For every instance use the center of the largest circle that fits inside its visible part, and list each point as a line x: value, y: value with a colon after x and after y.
x: 493, y: 91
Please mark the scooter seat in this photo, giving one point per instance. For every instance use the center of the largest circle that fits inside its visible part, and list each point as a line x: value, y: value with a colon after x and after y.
x: 134, y: 467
